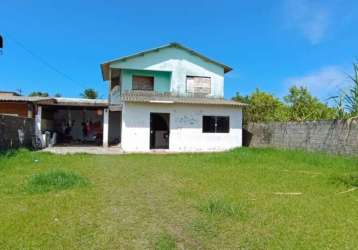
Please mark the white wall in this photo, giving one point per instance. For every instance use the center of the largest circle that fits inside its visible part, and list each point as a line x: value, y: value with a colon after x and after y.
x: 181, y: 63
x: 185, y: 127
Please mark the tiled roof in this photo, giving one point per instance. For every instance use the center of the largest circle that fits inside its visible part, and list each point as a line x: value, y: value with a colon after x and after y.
x: 154, y: 97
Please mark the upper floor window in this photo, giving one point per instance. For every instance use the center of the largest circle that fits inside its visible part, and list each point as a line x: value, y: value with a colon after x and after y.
x: 216, y: 124
x: 198, y: 85
x: 143, y: 83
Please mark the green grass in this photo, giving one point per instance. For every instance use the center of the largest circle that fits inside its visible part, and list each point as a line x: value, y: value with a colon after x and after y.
x: 165, y: 242
x: 54, y: 180
x: 350, y: 179
x: 245, y: 198
x: 220, y: 207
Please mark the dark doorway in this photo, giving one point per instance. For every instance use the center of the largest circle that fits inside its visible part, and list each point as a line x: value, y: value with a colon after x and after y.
x: 159, y: 130
x: 114, y: 128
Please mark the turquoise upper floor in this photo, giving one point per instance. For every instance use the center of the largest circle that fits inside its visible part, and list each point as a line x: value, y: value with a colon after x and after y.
x: 161, y: 79
x: 172, y: 68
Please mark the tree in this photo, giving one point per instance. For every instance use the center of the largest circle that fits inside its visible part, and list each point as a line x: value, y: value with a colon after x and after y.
x: 39, y: 93
x: 304, y: 107
x: 339, y: 106
x: 262, y: 107
x: 58, y: 95
x: 346, y: 103
x: 241, y: 98
x: 89, y: 94
x: 351, y: 98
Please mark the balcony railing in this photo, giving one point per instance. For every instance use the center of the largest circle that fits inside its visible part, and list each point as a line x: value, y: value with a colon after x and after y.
x: 167, y: 94
x: 115, y: 95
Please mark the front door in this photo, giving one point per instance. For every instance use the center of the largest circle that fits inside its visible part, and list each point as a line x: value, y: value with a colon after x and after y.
x: 159, y: 130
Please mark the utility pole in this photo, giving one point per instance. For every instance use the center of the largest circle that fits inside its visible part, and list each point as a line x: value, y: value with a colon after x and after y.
x: 1, y: 44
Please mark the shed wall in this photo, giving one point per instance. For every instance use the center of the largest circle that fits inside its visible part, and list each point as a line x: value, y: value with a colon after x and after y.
x: 14, y: 108
x: 16, y: 132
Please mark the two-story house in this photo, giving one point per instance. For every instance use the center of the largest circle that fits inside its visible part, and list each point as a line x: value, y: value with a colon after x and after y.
x: 172, y: 98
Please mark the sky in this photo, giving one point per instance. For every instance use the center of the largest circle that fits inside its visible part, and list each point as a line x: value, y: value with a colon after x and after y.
x: 57, y: 46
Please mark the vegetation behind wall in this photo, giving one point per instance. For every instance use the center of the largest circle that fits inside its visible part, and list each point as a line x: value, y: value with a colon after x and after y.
x: 299, y: 105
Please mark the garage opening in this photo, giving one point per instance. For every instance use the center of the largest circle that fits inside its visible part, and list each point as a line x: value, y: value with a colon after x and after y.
x: 159, y: 130
x: 71, y: 125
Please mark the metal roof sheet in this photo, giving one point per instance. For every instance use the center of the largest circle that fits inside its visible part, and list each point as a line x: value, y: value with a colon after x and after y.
x: 25, y: 98
x: 81, y: 101
x: 56, y: 100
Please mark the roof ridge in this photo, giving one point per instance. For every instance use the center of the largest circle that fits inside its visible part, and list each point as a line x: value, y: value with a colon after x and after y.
x: 105, y: 65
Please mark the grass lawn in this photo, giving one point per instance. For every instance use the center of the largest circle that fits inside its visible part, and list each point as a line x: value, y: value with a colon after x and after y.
x: 246, y: 198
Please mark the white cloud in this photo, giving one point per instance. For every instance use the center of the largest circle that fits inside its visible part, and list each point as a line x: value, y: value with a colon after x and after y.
x: 308, y: 17
x: 324, y: 83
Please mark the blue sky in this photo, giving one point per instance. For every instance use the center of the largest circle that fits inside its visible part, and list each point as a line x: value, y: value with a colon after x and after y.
x: 270, y: 44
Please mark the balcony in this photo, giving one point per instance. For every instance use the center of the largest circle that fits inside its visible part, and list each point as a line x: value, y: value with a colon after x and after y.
x: 115, y: 95
x: 172, y: 97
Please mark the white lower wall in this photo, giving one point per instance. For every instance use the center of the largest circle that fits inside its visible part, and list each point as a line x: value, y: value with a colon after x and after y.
x: 185, y: 127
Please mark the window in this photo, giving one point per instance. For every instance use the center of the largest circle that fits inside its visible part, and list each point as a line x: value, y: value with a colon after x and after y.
x: 216, y: 124
x: 143, y: 83
x: 209, y: 124
x: 198, y: 85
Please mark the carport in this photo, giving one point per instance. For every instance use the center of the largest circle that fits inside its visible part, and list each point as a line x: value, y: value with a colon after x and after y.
x: 75, y: 122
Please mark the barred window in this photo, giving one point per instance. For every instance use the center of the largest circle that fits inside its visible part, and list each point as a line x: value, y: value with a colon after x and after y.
x: 216, y: 124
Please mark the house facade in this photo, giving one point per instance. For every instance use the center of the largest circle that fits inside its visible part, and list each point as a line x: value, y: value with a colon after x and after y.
x: 170, y: 98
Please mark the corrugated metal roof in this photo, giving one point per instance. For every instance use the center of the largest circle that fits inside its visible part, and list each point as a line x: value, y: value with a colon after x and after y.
x: 80, y: 101
x: 24, y: 98
x: 168, y: 98
x: 105, y: 65
x: 13, y: 93
x: 56, y: 100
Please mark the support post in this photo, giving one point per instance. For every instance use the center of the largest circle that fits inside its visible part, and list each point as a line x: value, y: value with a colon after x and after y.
x: 38, y: 117
x: 105, y: 127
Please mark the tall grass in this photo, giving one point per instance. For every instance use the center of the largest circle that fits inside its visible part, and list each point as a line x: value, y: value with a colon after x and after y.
x: 350, y: 179
x: 221, y: 207
x: 54, y: 180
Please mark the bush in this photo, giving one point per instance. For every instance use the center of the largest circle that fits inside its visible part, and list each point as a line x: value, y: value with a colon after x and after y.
x: 54, y: 180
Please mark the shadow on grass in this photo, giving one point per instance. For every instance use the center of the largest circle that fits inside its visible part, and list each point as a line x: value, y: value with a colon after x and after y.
x: 54, y: 180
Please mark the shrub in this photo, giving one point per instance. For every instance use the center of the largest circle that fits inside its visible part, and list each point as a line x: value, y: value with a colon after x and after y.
x: 54, y: 180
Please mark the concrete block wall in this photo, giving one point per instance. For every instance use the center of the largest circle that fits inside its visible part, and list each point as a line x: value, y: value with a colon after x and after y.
x: 338, y: 137
x: 16, y: 132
